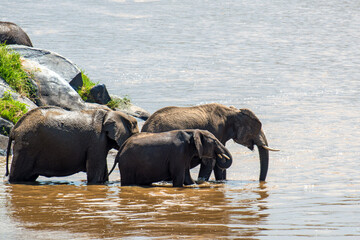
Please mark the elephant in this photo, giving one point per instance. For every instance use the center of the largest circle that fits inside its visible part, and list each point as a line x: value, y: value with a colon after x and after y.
x: 51, y: 141
x: 224, y: 122
x: 152, y: 157
x: 10, y: 33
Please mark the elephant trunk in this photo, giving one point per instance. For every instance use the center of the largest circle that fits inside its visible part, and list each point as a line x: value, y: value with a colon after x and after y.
x: 264, y: 162
x: 223, y: 158
x: 262, y: 144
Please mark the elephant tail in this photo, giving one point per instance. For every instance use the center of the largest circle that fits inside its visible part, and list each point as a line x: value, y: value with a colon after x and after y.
x: 7, y: 155
x: 117, y: 157
x: 113, y: 167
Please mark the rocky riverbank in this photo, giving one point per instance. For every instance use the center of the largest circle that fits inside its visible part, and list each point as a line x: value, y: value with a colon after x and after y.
x: 56, y: 81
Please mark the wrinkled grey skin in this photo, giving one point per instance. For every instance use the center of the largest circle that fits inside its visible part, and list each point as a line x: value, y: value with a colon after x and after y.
x: 224, y: 122
x: 151, y: 157
x: 10, y: 33
x: 51, y: 141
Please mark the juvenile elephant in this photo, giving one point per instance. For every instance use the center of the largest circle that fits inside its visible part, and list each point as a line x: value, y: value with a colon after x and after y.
x: 225, y: 123
x: 151, y: 157
x: 51, y: 141
x: 10, y: 33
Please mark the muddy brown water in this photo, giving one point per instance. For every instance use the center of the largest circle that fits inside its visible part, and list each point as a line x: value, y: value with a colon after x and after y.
x: 282, y: 207
x: 294, y: 63
x: 99, y: 212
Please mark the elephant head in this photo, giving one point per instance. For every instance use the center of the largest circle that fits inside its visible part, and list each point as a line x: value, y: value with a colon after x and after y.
x: 248, y: 132
x: 119, y: 126
x: 209, y: 146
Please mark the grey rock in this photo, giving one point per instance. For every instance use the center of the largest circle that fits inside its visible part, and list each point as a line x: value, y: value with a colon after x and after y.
x: 52, y: 61
x: 99, y: 94
x: 53, y: 88
x: 4, y: 87
x: 77, y: 82
x: 56, y: 78
x: 96, y: 106
x: 5, y: 126
x: 52, y: 74
x: 3, y: 145
x: 132, y: 110
x: 136, y: 111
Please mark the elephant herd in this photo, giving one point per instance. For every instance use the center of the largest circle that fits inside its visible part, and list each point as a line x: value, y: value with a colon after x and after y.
x: 50, y: 141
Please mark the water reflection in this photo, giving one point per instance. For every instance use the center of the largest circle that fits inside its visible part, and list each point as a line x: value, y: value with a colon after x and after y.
x: 111, y: 211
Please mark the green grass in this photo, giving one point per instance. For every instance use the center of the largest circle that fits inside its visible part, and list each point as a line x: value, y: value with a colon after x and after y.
x: 84, y: 91
x: 13, y: 74
x: 11, y: 109
x: 19, y: 80
x: 119, y: 103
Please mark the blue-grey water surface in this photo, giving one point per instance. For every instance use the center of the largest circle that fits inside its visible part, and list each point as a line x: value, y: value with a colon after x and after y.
x: 296, y: 64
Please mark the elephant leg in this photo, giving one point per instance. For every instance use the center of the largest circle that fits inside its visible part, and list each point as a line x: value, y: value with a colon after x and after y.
x: 206, y: 168
x: 33, y: 178
x: 188, y: 179
x: 96, y: 168
x: 97, y: 175
x: 21, y: 168
x: 178, y: 179
x: 127, y: 178
x: 26, y: 177
x: 220, y: 174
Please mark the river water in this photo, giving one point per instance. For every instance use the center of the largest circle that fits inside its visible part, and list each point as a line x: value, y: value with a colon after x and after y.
x: 296, y: 64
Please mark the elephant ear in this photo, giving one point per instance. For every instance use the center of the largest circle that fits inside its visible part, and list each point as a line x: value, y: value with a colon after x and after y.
x: 252, y: 122
x: 114, y: 127
x: 198, y: 143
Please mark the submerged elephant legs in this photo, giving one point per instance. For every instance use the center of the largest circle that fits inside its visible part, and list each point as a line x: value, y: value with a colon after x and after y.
x: 207, y: 166
x: 22, y: 167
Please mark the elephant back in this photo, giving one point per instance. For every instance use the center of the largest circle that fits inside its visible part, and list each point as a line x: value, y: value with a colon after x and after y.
x: 29, y: 121
x: 211, y: 117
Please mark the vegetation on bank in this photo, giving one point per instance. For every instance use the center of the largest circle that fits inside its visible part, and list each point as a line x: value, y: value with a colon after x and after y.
x: 84, y: 93
x: 11, y: 109
x: 19, y: 80
x: 14, y: 75
x: 119, y: 102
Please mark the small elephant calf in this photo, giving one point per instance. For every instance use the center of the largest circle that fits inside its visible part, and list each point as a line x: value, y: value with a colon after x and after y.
x: 146, y: 158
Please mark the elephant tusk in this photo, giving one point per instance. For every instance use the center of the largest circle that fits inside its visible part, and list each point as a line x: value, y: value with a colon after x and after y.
x: 219, y: 155
x: 225, y: 156
x: 270, y: 149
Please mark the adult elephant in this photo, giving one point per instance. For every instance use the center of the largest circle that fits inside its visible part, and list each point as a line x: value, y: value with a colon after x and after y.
x: 51, y: 141
x: 224, y: 122
x: 10, y: 33
x: 152, y: 157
